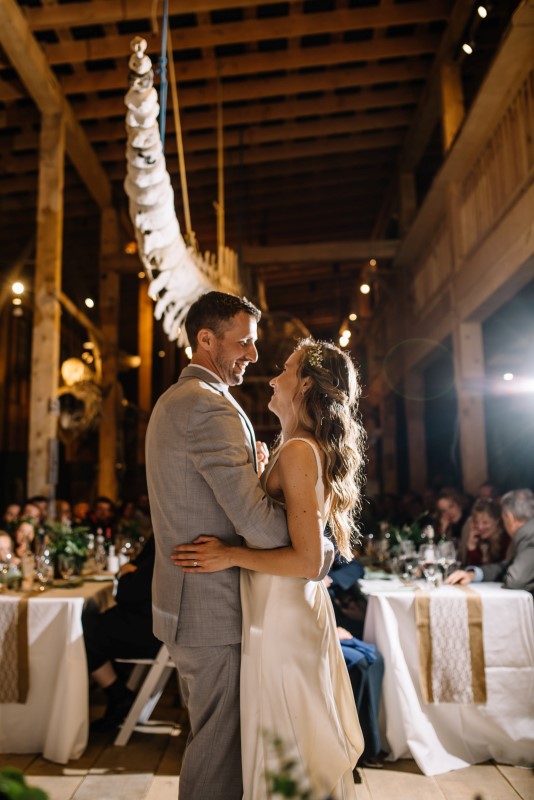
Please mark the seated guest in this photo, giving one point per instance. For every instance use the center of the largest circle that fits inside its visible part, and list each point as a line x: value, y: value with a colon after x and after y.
x: 10, y: 517
x: 516, y: 571
x: 102, y: 517
x: 6, y: 548
x: 484, y: 540
x: 41, y: 503
x: 31, y: 513
x: 451, y: 507
x: 80, y: 512
x: 24, y: 538
x: 488, y: 491
x: 63, y: 512
x: 124, y: 631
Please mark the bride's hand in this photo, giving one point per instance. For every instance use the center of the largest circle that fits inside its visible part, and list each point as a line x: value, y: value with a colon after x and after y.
x: 205, y: 554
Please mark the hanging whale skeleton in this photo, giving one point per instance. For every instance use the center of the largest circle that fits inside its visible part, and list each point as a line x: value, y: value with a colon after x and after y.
x: 178, y: 274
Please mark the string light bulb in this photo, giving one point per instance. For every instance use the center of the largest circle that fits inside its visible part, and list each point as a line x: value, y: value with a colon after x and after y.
x: 482, y: 12
x: 467, y: 47
x: 365, y: 288
x: 17, y: 288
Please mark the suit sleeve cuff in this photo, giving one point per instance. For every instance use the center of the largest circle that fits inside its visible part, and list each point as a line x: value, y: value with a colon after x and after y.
x: 479, y: 575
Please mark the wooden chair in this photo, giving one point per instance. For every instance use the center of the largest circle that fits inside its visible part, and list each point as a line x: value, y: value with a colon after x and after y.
x: 149, y: 677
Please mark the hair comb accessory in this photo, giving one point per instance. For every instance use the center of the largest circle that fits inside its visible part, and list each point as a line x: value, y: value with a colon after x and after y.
x: 314, y: 355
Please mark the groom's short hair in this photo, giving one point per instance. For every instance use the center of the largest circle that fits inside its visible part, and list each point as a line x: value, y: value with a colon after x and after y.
x: 214, y: 310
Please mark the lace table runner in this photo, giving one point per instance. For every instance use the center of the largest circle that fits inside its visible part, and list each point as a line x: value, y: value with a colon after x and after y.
x: 451, y: 652
x: 14, y: 664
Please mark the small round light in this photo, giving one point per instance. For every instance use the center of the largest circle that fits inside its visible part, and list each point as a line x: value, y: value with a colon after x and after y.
x: 343, y: 341
x: 16, y: 301
x: 365, y: 288
x: 17, y: 288
x: 372, y: 262
x: 88, y: 346
x: 508, y: 376
x: 189, y: 352
x: 130, y: 248
x: 353, y: 317
x: 346, y: 334
x: 89, y: 302
x: 467, y: 48
x: 482, y: 12
x: 161, y: 353
x: 17, y: 312
x: 141, y: 275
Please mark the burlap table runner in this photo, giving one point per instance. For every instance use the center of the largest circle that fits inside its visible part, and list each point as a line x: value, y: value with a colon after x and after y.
x: 451, y: 651
x: 14, y: 659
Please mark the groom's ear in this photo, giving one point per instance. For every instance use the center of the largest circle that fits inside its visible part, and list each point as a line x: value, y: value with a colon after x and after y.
x: 205, y: 338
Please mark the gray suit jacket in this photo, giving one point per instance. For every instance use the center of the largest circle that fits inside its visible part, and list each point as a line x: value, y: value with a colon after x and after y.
x: 200, y: 455
x: 516, y: 572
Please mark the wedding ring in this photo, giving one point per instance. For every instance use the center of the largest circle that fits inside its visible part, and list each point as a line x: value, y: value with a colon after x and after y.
x: 195, y: 563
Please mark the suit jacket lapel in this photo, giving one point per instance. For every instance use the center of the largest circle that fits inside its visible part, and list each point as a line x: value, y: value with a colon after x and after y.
x: 192, y: 371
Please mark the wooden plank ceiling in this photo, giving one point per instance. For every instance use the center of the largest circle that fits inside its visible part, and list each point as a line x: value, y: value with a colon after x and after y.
x: 324, y: 101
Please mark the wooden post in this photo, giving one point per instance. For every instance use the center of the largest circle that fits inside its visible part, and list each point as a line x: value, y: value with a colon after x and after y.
x: 407, y: 200
x: 452, y: 103
x: 414, y: 405
x: 145, y: 339
x: 388, y: 425
x: 109, y: 324
x: 44, y: 405
x: 469, y: 379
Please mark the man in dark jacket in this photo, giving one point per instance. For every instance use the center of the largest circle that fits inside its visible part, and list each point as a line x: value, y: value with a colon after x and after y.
x: 124, y: 631
x: 517, y: 571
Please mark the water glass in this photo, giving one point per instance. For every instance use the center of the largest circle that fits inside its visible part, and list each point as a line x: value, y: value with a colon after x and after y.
x: 44, y: 572
x: 66, y: 565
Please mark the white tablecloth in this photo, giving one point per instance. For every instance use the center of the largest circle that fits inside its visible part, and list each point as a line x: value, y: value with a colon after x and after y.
x: 443, y: 737
x: 54, y: 720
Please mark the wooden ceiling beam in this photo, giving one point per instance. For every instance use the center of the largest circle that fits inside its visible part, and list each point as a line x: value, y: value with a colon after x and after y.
x: 250, y: 90
x: 29, y: 61
x: 235, y: 158
x: 316, y: 252
x: 252, y: 63
x: 101, y: 12
x: 250, y: 115
x: 254, y: 30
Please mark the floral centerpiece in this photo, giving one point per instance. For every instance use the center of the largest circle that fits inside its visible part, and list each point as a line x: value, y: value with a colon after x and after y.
x: 68, y: 541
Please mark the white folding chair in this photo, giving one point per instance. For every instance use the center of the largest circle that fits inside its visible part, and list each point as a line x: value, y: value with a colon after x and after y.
x: 149, y: 677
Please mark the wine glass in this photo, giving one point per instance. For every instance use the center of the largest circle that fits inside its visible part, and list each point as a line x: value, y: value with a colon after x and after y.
x: 429, y: 562
x: 44, y: 572
x: 66, y: 566
x: 447, y: 556
x: 407, y: 561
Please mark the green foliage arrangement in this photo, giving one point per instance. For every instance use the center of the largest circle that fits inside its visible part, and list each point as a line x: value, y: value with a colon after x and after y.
x: 14, y: 787
x: 69, y: 541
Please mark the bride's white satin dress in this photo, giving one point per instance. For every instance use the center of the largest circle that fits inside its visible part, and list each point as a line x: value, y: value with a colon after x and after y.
x: 294, y: 683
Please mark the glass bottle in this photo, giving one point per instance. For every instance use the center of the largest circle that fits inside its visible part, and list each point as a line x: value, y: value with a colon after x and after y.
x: 101, y: 559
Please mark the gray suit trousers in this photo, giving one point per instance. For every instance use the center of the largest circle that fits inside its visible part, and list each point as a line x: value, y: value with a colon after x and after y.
x: 209, y: 682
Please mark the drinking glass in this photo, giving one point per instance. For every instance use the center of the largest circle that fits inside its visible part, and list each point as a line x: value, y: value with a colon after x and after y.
x: 44, y: 572
x: 429, y: 562
x: 407, y: 560
x: 447, y: 556
x: 66, y: 566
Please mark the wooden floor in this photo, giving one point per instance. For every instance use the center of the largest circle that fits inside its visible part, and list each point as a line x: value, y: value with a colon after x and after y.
x: 148, y: 768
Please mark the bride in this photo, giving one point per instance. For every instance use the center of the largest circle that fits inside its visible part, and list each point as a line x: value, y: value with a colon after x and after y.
x: 296, y: 696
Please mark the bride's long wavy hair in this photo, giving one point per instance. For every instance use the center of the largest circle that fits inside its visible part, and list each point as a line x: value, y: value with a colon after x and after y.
x: 329, y: 411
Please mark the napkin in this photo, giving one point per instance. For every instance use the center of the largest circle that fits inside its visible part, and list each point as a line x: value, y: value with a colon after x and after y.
x: 451, y: 652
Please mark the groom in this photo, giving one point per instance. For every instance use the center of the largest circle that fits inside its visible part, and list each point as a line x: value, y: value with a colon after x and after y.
x: 201, y: 462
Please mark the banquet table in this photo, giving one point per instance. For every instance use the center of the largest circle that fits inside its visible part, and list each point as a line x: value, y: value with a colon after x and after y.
x: 54, y: 720
x: 448, y: 736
